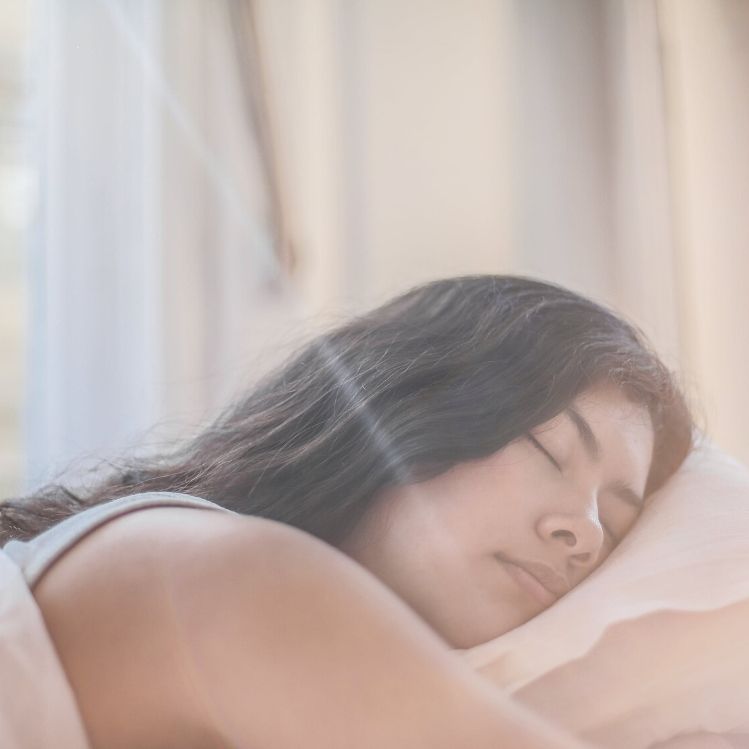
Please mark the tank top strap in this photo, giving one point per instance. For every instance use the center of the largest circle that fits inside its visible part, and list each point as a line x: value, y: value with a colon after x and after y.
x: 34, y: 557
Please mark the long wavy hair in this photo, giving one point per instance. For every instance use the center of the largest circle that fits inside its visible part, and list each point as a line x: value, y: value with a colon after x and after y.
x: 448, y: 372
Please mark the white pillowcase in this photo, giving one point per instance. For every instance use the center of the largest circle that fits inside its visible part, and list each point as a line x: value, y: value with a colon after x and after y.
x: 656, y: 642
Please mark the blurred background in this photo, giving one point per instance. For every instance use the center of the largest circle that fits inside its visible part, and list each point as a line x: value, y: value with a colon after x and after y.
x: 188, y: 188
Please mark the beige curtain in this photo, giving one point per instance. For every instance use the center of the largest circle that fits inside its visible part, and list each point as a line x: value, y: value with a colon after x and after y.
x: 706, y: 68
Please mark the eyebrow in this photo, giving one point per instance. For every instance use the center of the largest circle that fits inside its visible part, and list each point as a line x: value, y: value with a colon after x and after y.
x: 590, y: 441
x: 593, y: 447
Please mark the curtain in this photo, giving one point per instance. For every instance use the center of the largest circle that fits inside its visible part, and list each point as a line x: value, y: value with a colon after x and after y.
x: 159, y: 240
x: 706, y: 62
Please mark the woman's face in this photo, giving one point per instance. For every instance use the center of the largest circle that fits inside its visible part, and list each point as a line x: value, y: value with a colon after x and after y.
x: 489, y: 544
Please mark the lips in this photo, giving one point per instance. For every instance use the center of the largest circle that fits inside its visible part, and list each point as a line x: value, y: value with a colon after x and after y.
x: 539, y: 580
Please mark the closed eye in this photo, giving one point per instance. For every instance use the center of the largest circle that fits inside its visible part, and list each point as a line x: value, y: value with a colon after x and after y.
x: 614, y: 539
x: 549, y: 456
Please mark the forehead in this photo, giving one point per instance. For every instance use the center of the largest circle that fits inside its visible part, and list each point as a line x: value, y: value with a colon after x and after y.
x: 608, y: 408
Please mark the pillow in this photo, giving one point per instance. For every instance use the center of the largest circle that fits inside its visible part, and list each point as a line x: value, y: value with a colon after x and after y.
x: 655, y: 643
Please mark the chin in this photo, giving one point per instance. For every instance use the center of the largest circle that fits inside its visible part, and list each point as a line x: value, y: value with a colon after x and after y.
x: 469, y: 636
x: 479, y: 630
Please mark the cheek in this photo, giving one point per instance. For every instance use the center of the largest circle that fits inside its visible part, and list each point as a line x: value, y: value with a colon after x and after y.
x: 433, y: 545
x: 415, y: 533
x: 436, y: 540
x: 478, y: 500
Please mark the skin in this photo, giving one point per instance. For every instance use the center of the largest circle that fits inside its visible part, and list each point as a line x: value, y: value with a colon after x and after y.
x: 546, y: 500
x: 193, y: 628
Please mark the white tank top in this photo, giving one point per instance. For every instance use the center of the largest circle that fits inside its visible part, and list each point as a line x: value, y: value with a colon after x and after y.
x: 37, y: 705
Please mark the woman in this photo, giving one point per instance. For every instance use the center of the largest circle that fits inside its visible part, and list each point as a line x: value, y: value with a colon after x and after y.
x: 479, y: 445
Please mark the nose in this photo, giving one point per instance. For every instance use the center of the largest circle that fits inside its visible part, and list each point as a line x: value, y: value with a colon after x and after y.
x: 579, y: 536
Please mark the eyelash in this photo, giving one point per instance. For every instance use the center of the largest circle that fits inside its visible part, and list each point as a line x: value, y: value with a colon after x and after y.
x: 549, y: 456
x: 553, y: 461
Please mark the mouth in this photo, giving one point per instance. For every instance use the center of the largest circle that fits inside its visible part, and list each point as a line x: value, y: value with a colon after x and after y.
x: 538, y: 580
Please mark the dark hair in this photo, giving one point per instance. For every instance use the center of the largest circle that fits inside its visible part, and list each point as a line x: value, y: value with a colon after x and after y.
x: 447, y: 372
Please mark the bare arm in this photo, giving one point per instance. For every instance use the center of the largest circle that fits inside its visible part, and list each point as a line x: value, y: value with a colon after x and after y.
x: 190, y: 628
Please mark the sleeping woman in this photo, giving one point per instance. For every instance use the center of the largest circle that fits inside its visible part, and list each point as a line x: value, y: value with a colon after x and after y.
x: 424, y: 478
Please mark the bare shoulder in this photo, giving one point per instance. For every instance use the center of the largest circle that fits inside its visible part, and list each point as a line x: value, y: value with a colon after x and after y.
x: 166, y: 620
x: 180, y: 548
x: 168, y: 549
x: 148, y: 612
